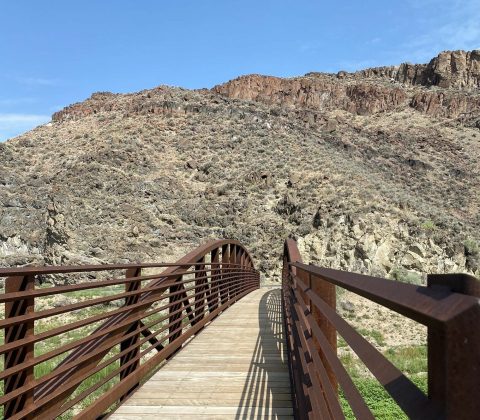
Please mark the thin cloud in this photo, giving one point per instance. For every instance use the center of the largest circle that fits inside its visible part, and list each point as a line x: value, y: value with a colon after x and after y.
x: 468, y: 35
x: 17, y: 101
x: 374, y: 41
x: 14, y: 118
x: 37, y: 81
x: 12, y: 125
x: 355, y: 65
x: 454, y: 26
x: 309, y: 47
x: 56, y: 108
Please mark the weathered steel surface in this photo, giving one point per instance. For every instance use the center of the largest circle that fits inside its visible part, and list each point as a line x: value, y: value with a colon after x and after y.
x: 162, y: 312
x: 449, y: 307
x: 454, y: 353
x: 183, y: 298
x: 21, y: 355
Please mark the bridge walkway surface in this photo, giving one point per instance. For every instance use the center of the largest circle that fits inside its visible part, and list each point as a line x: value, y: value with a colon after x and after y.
x: 236, y: 368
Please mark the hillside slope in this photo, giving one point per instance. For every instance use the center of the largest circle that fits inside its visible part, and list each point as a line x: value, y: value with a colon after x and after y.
x: 376, y: 172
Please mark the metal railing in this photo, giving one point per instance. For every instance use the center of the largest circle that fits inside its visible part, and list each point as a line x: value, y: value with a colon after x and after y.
x: 100, y: 357
x: 448, y: 306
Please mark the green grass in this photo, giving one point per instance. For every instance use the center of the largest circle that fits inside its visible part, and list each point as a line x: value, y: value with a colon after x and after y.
x: 412, y: 360
x: 341, y: 342
x: 377, y: 336
x: 377, y: 399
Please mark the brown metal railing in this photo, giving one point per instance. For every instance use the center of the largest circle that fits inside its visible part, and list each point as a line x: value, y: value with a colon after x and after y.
x: 448, y: 306
x: 98, y: 359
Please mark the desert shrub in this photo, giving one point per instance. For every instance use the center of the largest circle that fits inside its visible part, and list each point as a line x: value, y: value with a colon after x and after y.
x: 428, y: 225
x: 287, y: 205
x: 410, y: 360
x: 405, y: 276
x: 471, y: 247
x: 472, y: 254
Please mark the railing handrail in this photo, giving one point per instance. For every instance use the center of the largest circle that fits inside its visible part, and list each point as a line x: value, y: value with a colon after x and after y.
x: 426, y: 305
x: 187, y: 260
x: 448, y: 306
x: 218, y: 272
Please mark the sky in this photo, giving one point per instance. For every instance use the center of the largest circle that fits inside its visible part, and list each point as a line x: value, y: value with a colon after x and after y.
x: 54, y: 53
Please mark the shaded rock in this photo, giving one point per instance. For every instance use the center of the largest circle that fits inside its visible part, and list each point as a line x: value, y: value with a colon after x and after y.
x: 418, y: 249
x: 191, y: 164
x: 346, y: 305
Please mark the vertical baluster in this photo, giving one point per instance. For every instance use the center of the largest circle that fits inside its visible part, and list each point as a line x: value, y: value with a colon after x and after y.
x: 22, y: 354
x: 214, y: 279
x: 133, y: 340
x: 233, y: 262
x: 200, y: 286
x: 225, y: 273
x: 174, y: 320
x: 241, y: 278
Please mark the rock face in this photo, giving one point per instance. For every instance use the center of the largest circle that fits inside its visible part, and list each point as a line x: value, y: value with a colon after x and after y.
x: 371, y: 174
x: 321, y: 93
x: 450, y: 69
x: 375, y: 90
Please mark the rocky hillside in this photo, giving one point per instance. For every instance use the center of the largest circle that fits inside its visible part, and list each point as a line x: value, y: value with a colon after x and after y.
x: 376, y: 171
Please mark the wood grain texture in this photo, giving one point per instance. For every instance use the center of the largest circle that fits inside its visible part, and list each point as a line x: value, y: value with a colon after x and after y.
x: 236, y: 368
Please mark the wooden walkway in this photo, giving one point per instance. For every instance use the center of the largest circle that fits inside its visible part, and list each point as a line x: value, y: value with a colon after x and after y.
x: 236, y: 368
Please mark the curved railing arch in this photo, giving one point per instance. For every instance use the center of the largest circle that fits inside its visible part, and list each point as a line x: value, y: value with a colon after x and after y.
x: 179, y: 301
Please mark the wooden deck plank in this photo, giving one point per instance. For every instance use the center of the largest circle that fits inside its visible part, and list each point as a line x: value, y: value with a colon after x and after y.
x: 235, y: 368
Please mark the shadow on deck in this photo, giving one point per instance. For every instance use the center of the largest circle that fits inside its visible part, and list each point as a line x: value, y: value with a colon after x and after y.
x: 235, y: 369
x: 269, y: 397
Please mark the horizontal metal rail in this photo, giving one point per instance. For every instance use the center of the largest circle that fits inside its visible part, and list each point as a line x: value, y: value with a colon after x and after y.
x: 448, y: 306
x: 97, y: 356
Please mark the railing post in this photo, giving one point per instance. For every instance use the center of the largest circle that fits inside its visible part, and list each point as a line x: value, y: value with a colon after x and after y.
x: 454, y: 353
x: 214, y: 280
x: 24, y: 353
x: 225, y: 271
x: 327, y: 292
x: 241, y: 278
x: 241, y: 258
x: 134, y: 340
x: 200, y: 286
x: 233, y: 269
x: 174, y: 318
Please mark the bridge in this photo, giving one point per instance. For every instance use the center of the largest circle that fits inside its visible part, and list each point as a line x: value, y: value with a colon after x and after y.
x: 201, y: 338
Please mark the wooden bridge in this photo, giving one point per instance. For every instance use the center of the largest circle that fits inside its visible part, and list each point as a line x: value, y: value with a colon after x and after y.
x: 199, y: 338
x: 237, y: 368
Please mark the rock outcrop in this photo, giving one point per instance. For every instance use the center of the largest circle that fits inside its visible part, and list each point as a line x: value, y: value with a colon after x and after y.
x: 450, y: 69
x: 375, y: 90
x: 322, y: 93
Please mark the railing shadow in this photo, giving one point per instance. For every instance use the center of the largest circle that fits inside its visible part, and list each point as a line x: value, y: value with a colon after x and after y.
x: 267, y: 393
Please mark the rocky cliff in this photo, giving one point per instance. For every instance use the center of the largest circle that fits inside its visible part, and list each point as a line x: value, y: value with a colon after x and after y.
x: 450, y: 69
x: 446, y: 87
x: 375, y: 171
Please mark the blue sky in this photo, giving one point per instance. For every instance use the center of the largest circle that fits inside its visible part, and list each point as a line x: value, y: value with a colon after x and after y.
x: 54, y: 53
